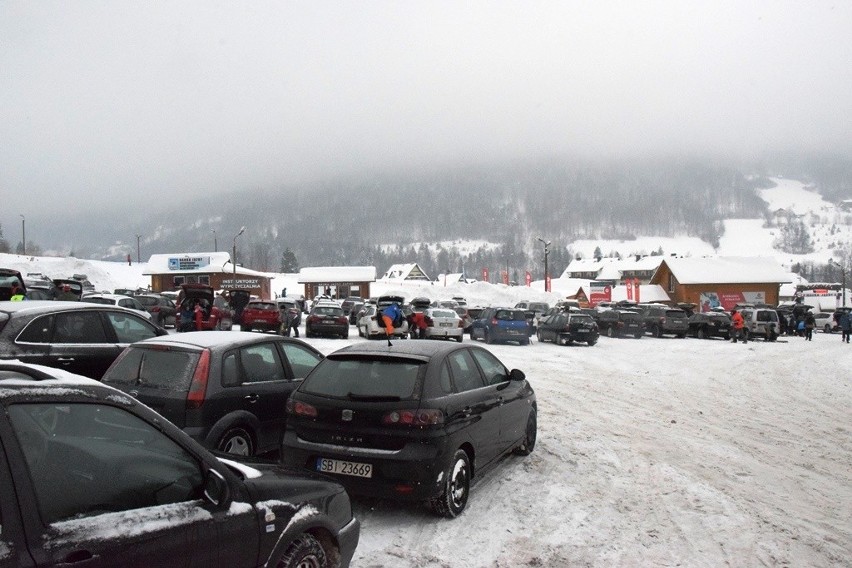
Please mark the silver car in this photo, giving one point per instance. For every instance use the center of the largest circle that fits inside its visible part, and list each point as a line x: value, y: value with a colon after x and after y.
x: 443, y: 323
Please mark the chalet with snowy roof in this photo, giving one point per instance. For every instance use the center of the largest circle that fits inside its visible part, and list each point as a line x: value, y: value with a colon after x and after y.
x: 721, y: 281
x: 410, y: 271
x: 170, y: 271
x: 845, y: 205
x: 337, y: 281
x: 614, y: 269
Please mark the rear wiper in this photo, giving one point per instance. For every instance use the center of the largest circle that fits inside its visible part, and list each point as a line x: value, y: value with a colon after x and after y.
x: 372, y: 397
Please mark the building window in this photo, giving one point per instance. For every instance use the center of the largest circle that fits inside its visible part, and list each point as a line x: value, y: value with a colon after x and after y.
x: 671, y: 283
x: 179, y: 281
x: 204, y: 280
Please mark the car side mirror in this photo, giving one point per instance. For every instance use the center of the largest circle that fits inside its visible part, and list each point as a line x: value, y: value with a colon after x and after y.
x: 517, y: 375
x: 216, y: 489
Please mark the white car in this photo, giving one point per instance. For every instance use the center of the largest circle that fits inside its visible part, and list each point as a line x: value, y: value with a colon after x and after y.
x: 825, y: 322
x: 117, y: 300
x: 444, y: 323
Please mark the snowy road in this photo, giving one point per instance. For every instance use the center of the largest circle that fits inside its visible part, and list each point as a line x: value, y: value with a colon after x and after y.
x: 654, y: 452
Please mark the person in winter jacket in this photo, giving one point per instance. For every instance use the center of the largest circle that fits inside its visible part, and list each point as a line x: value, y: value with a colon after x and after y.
x: 845, y: 323
x: 738, y: 324
x: 391, y: 315
x: 418, y: 325
x: 810, y: 324
x: 17, y: 294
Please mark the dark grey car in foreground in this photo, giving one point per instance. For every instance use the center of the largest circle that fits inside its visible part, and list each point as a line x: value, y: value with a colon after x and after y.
x: 90, y: 477
x: 414, y: 421
x: 226, y: 389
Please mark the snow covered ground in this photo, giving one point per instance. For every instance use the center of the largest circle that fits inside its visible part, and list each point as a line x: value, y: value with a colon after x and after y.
x: 651, y: 452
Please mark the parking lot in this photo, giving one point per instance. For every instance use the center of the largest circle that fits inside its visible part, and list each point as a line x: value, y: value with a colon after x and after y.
x: 654, y: 452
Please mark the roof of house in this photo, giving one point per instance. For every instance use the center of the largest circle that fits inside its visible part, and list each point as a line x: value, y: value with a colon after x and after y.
x: 324, y: 274
x: 612, y: 268
x: 197, y: 262
x: 726, y: 270
x: 410, y: 271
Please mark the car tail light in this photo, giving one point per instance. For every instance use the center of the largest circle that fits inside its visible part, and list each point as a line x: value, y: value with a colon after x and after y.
x: 300, y: 408
x: 461, y: 323
x: 494, y: 321
x: 420, y: 417
x: 313, y: 319
x: 429, y: 321
x: 155, y: 309
x: 342, y: 320
x: 198, y: 385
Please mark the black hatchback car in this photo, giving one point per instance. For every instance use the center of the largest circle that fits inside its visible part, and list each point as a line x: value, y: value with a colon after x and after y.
x: 227, y: 390
x: 90, y: 477
x: 710, y: 324
x: 416, y: 421
x: 568, y: 327
x: 79, y: 337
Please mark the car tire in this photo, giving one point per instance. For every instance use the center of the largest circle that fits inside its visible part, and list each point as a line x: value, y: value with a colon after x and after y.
x: 460, y: 338
x: 304, y: 551
x: 538, y: 336
x: 525, y: 341
x: 827, y: 329
x: 658, y: 331
x: 638, y: 335
x: 609, y: 332
x: 592, y: 342
x: 246, y: 328
x: 700, y: 334
x: 236, y: 440
x: 530, y: 435
x: 456, y: 487
x: 487, y: 337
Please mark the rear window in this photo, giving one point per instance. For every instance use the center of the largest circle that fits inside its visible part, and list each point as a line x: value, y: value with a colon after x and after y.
x: 104, y: 301
x: 147, y: 300
x: 444, y: 314
x: 368, y: 378
x: 154, y: 368
x: 538, y: 306
x: 675, y: 314
x: 630, y: 316
x: 266, y: 307
x: 767, y: 315
x: 510, y: 315
x: 581, y: 318
x: 328, y: 311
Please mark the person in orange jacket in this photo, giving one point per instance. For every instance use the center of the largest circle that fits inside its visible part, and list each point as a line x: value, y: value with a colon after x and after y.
x: 738, y: 323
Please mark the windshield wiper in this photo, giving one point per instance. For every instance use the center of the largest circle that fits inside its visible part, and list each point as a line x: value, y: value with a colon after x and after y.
x: 372, y: 397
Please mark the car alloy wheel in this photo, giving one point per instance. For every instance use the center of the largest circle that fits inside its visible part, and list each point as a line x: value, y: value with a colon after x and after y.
x: 237, y: 441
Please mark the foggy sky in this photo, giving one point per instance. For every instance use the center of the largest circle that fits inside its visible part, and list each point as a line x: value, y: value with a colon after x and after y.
x: 104, y: 101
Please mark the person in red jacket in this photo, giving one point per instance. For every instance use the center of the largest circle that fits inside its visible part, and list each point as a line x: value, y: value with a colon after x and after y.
x: 418, y: 325
x: 738, y: 323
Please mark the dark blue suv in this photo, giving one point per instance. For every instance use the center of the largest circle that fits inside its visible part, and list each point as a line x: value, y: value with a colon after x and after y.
x: 501, y: 324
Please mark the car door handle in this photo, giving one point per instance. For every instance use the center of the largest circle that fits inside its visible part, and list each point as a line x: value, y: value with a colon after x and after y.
x: 65, y: 359
x: 467, y: 411
x: 251, y: 398
x: 77, y: 556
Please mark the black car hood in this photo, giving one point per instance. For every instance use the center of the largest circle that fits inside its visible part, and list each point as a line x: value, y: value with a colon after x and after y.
x: 271, y: 481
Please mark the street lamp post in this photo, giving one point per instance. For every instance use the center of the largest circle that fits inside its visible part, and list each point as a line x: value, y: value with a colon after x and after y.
x: 24, y: 234
x: 234, y: 260
x: 546, y: 251
x: 215, y: 244
x: 842, y: 278
x: 137, y: 249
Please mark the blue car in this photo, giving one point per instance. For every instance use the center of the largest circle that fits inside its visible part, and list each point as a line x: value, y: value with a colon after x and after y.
x: 501, y: 324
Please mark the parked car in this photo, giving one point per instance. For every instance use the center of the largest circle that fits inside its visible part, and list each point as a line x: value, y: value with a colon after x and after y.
x: 226, y: 390
x: 238, y: 299
x: 534, y: 311
x: 761, y: 322
x: 704, y: 325
x: 444, y: 323
x: 660, y: 320
x: 162, y: 309
x: 355, y: 313
x: 40, y: 289
x: 327, y: 319
x: 414, y: 422
x: 472, y: 313
x: 213, y: 318
x: 9, y: 280
x: 349, y: 302
x: 78, y: 337
x: 117, y: 300
x: 261, y: 315
x: 568, y: 327
x: 370, y: 324
x: 91, y: 477
x: 620, y: 323
x: 501, y: 324
x: 68, y: 289
x: 825, y: 321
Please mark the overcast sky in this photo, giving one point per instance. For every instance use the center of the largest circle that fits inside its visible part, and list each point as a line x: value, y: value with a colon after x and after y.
x: 105, y: 100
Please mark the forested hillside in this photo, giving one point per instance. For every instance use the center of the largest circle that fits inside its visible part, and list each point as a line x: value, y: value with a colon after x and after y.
x: 386, y: 218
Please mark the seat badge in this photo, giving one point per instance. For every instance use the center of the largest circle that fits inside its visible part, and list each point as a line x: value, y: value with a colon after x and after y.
x: 346, y: 415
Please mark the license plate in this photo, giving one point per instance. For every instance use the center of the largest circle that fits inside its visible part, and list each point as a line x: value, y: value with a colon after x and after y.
x: 514, y: 332
x: 328, y: 320
x: 446, y: 324
x: 342, y: 467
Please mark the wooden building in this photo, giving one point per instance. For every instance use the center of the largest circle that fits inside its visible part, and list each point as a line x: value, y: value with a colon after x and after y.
x: 337, y: 281
x: 721, y: 282
x: 169, y: 271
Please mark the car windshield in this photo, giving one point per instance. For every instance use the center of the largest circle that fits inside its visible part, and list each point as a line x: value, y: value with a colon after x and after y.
x: 265, y: 306
x: 328, y: 311
x: 365, y: 378
x: 443, y: 314
x: 538, y: 306
x: 675, y: 313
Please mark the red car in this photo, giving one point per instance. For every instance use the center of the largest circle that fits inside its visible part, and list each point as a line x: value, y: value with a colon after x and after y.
x: 209, y: 318
x: 261, y: 315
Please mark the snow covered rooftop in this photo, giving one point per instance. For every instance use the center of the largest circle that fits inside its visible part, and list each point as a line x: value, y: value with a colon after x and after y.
x: 196, y: 262
x: 322, y: 274
x: 727, y: 270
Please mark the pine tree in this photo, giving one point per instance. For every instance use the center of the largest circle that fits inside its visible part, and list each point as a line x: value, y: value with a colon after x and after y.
x: 289, y: 263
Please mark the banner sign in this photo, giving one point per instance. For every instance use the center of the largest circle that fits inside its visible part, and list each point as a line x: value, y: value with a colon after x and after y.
x: 727, y: 300
x: 628, y: 285
x: 188, y: 262
x: 636, y: 290
x: 505, y: 276
x: 547, y: 283
x: 485, y: 275
x: 528, y: 279
x: 241, y: 283
x: 599, y: 292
